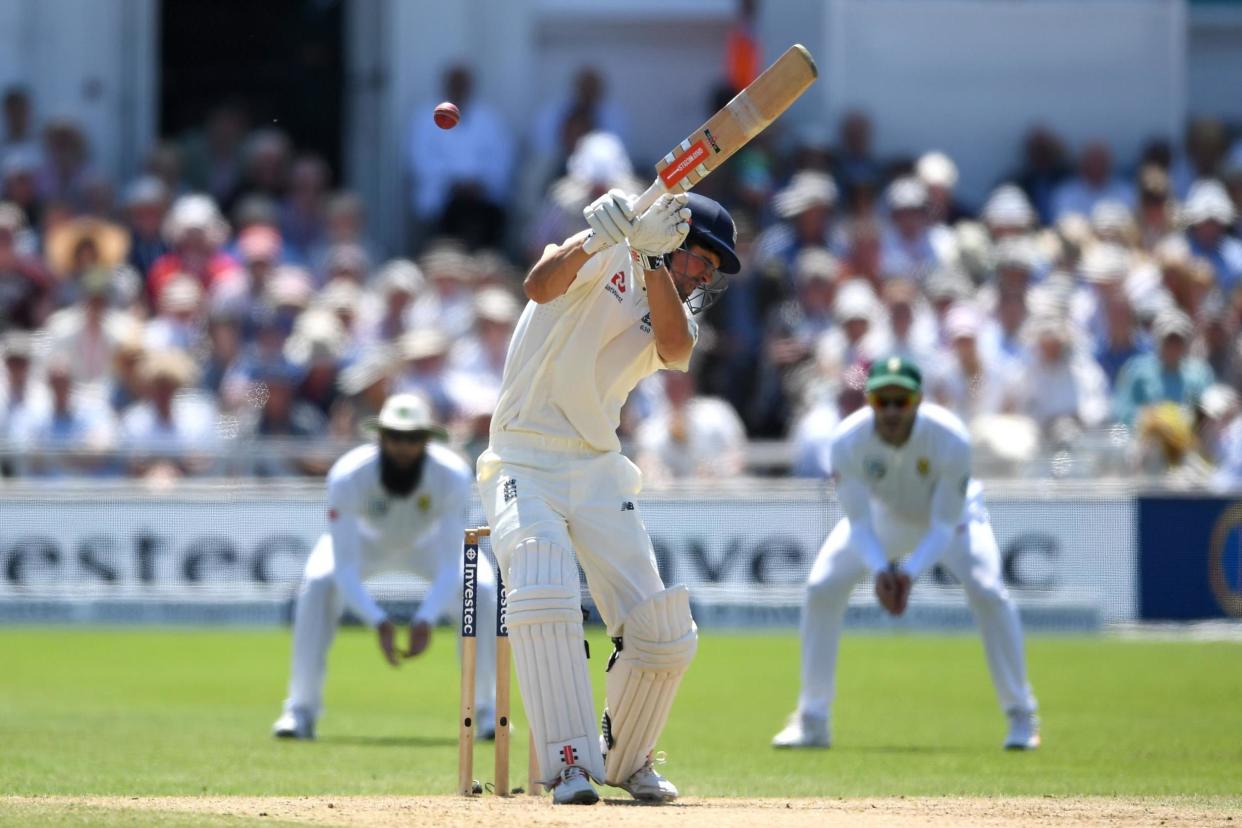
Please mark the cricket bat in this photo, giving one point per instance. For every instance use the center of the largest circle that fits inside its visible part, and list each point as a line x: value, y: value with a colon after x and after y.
x: 730, y: 129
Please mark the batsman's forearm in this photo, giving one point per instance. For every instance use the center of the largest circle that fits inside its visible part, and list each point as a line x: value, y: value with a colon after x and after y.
x: 669, y: 325
x: 556, y: 269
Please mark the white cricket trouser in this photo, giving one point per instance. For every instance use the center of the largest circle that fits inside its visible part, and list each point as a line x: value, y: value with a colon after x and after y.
x: 318, y: 611
x: 582, y: 502
x: 972, y: 557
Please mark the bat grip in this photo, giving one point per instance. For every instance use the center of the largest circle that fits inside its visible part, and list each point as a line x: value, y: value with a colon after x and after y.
x: 649, y: 197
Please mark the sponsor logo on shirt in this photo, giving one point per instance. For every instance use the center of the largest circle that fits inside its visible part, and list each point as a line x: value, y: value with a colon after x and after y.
x: 645, y: 323
x: 378, y: 507
x: 510, y: 490
x: 627, y: 506
x: 616, y: 285
x: 874, y: 468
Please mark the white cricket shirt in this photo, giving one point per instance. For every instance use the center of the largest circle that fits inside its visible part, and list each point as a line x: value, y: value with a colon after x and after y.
x: 373, y: 531
x: 923, y: 485
x: 573, y: 361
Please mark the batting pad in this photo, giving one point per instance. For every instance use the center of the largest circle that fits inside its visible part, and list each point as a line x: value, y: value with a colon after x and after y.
x: 658, y: 641
x: 545, y: 630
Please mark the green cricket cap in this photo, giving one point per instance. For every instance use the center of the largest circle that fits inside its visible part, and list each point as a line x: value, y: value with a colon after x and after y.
x: 895, y: 370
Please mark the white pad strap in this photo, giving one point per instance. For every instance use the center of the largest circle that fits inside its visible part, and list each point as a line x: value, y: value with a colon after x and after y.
x: 658, y: 641
x: 545, y: 630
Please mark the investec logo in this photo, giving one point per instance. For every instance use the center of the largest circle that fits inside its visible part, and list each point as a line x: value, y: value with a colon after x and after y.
x: 468, y: 588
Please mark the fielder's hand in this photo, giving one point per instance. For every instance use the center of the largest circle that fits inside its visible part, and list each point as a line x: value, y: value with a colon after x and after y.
x: 892, y: 590
x: 420, y: 637
x: 610, y: 219
x: 664, y: 226
x: 388, y: 641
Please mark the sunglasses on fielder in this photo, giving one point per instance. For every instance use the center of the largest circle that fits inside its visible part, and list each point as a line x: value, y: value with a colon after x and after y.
x: 404, y: 436
x: 899, y: 402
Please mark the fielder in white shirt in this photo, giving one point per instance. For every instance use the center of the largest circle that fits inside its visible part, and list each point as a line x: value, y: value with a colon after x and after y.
x: 902, y: 469
x: 395, y: 506
x: 608, y: 307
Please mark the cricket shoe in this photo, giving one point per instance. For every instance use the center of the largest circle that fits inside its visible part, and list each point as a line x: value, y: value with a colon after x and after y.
x: 647, y: 785
x: 574, y: 788
x: 1023, y: 730
x: 295, y: 723
x: 803, y: 731
x: 485, y: 722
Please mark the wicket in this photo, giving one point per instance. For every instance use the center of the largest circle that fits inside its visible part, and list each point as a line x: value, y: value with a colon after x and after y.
x: 471, y: 560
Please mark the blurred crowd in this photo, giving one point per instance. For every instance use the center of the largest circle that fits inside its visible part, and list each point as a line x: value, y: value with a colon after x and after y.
x: 232, y: 299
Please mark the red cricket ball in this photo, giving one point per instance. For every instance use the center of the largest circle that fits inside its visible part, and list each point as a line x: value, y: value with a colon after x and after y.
x: 447, y: 115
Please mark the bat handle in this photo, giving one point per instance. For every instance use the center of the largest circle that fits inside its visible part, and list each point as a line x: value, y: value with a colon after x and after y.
x: 649, y: 196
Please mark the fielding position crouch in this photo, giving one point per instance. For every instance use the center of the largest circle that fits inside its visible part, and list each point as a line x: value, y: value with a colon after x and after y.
x: 608, y: 307
x: 902, y: 470
x: 396, y: 506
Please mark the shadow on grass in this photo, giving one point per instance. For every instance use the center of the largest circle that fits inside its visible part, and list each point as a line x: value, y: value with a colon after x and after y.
x: 389, y: 741
x: 928, y: 750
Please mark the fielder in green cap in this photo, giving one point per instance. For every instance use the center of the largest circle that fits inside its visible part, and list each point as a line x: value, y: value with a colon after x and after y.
x: 902, y: 473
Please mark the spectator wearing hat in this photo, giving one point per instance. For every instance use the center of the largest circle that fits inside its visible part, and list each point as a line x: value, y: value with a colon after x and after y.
x: 196, y: 232
x: 1208, y: 215
x: 1156, y: 211
x: 1105, y: 269
x: 242, y: 291
x: 146, y: 204
x: 25, y: 286
x: 1002, y: 337
x: 347, y: 262
x: 598, y: 163
x: 124, y: 382
x: 946, y: 287
x: 462, y: 177
x: 910, y: 330
x: 344, y: 300
x: 969, y: 383
x: 423, y: 354
x: 1007, y: 212
x: 82, y: 245
x: 1169, y: 374
x: 1166, y: 448
x: 449, y: 305
x: 179, y: 323
x: 19, y: 184
x: 856, y: 336
x: 1213, y: 420
x: 939, y: 175
x: 1059, y: 386
x: 316, y: 348
x: 89, y: 329
x: 481, y: 356
x: 399, y: 283
x: 20, y: 397
x: 166, y: 432
x: 46, y: 437
x: 912, y: 247
x: 1112, y: 222
x: 805, y: 209
x: 693, y: 437
x: 364, y: 385
x: 1093, y: 184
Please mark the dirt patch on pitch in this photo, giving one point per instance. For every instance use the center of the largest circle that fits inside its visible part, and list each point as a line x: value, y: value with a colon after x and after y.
x: 427, y: 811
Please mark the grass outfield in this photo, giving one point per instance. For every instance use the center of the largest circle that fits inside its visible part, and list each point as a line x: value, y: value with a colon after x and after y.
x: 140, y: 712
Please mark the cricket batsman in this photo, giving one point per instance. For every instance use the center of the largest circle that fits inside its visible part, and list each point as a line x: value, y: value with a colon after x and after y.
x: 397, y: 505
x: 902, y: 471
x: 609, y: 306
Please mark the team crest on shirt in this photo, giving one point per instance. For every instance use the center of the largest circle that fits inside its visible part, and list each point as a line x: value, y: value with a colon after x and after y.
x: 874, y: 468
x: 616, y: 285
x: 424, y: 502
x: 923, y: 466
x: 378, y: 507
